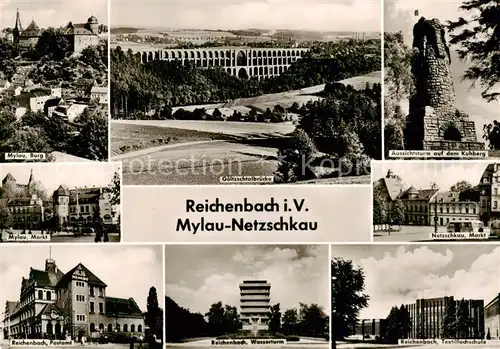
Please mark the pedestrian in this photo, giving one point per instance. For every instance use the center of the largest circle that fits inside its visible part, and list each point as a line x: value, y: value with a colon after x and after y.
x: 98, y: 237
x: 106, y: 237
x: 132, y: 342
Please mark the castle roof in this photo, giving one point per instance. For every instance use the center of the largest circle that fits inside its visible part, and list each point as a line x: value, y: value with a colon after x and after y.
x: 32, y: 30
x: 92, y: 20
x: 61, y: 191
x: 422, y: 194
x: 86, y: 195
x: 43, y: 278
x: 77, y: 29
x: 8, y: 177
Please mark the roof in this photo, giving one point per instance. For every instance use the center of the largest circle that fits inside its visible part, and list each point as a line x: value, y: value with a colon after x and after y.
x: 119, y: 306
x: 10, y: 306
x: 422, y: 194
x: 97, y: 89
x: 24, y: 201
x: 77, y: 29
x: 52, y: 102
x: 61, y: 191
x: 496, y: 299
x: 92, y: 278
x: 85, y: 194
x: 63, y: 157
x: 40, y: 277
x: 39, y: 93
x: 394, y: 187
x: 8, y: 177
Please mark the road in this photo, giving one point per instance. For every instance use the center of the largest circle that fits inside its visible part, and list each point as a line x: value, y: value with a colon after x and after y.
x: 59, y: 237
x: 411, y: 233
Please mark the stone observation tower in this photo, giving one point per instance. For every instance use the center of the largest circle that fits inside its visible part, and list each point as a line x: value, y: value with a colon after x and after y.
x: 434, y: 122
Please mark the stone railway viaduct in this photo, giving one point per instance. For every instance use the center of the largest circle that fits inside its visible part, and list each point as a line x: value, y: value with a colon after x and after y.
x: 241, y: 62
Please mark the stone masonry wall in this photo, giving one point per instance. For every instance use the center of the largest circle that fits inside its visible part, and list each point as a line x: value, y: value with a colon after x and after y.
x: 432, y: 108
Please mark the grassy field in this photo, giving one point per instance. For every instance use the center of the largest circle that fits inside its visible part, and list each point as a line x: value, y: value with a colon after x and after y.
x: 126, y: 138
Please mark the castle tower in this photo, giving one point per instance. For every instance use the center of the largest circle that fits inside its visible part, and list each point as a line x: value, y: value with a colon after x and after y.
x: 434, y: 123
x: 93, y: 24
x: 61, y: 205
x: 18, y: 28
x: 31, y: 184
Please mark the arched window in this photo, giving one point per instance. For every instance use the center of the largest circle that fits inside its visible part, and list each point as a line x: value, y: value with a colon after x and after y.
x: 110, y: 328
x: 117, y: 327
x: 49, y: 295
x: 132, y: 328
x: 139, y: 328
x: 101, y: 327
x: 452, y: 134
x: 92, y: 327
x: 40, y: 294
x: 125, y: 328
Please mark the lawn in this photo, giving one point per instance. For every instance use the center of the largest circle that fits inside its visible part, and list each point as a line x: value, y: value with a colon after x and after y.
x: 128, y: 137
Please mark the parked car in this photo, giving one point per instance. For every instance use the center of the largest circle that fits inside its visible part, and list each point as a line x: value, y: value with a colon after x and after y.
x: 472, y: 226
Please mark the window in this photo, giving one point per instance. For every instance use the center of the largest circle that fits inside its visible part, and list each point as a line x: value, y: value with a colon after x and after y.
x: 80, y: 284
x: 49, y: 295
x: 466, y: 210
x: 125, y: 328
x: 132, y: 328
x: 80, y: 318
x: 40, y: 294
x: 91, y: 291
x: 139, y: 328
x: 92, y: 327
x: 92, y: 310
x: 110, y: 328
x: 80, y: 298
x: 495, y: 191
x: 101, y: 308
x: 495, y: 204
x: 101, y: 292
x: 117, y: 327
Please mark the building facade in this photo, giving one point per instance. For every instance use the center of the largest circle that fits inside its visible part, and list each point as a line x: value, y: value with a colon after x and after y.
x: 370, y: 328
x: 427, y: 316
x: 68, y: 207
x: 255, y: 297
x: 61, y: 305
x: 451, y: 208
x: 492, y: 318
x: 79, y: 36
x: 489, y: 187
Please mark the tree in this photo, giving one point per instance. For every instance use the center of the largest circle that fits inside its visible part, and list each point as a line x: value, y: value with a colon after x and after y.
x: 479, y: 40
x: 398, y: 324
x: 379, y: 209
x: 52, y: 43
x: 449, y: 324
x: 5, y: 216
x: 216, y: 318
x: 290, y: 319
x: 348, y: 285
x: 398, y: 213
x: 275, y: 318
x: 472, y: 194
x: 491, y: 133
x: 461, y: 186
x: 464, y: 321
x: 313, y: 320
x: 397, y: 60
x: 92, y: 141
x: 232, y: 321
x: 152, y: 311
x: 116, y: 189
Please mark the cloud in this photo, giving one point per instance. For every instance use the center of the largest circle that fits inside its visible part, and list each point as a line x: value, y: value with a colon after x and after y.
x: 129, y: 271
x: 403, y: 277
x: 294, y: 278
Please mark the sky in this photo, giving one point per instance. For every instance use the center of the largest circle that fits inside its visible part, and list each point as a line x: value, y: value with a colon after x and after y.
x: 421, y: 174
x: 128, y: 271
x: 51, y: 175
x: 52, y: 13
x: 315, y: 15
x: 398, y: 274
x: 399, y: 16
x: 197, y: 276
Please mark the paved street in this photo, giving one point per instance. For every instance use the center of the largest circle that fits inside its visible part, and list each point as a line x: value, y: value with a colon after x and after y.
x: 59, y: 237
x: 412, y: 233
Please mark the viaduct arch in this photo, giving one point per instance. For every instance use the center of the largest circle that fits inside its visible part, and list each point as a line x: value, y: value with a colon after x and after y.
x: 241, y: 62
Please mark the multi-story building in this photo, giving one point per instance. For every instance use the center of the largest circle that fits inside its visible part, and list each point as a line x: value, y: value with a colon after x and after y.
x: 370, y: 328
x: 69, y: 207
x: 78, y: 35
x: 389, y: 189
x: 489, y: 187
x: 451, y: 208
x: 416, y: 204
x: 492, y: 318
x: 427, y: 316
x: 99, y: 94
x: 54, y: 304
x: 255, y: 297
